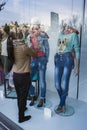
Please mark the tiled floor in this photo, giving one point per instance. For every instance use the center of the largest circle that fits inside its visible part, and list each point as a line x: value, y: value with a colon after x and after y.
x: 39, y: 121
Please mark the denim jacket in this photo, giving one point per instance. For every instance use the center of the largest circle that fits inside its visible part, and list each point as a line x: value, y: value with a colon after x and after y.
x: 43, y: 43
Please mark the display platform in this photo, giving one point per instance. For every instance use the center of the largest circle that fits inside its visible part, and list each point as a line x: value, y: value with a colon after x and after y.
x: 68, y: 112
x: 9, y: 89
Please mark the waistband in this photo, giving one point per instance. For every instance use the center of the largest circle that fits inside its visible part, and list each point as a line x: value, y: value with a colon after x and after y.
x: 40, y: 53
x: 66, y: 53
x: 25, y: 73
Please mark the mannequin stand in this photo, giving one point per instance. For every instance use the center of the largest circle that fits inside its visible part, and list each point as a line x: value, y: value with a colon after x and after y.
x: 68, y: 112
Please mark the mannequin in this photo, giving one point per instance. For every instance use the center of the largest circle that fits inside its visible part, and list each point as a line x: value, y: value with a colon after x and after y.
x: 64, y: 62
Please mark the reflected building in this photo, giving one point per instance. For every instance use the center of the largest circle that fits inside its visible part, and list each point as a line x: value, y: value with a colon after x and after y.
x: 54, y: 21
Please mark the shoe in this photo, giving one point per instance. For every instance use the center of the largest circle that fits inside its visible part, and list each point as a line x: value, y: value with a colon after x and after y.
x: 32, y: 101
x: 25, y: 108
x: 41, y: 102
x: 25, y: 118
x: 10, y: 88
x: 60, y: 109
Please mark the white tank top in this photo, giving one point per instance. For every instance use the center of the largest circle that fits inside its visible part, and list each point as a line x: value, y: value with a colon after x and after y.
x: 4, y: 47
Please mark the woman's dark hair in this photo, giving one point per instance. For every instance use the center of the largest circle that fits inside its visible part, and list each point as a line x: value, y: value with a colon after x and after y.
x: 10, y: 50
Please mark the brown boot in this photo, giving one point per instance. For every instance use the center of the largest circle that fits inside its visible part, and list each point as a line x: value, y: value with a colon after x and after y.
x: 60, y: 109
x: 32, y: 101
x: 41, y: 102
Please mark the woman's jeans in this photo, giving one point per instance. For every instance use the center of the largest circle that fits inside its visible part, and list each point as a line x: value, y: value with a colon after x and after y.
x: 39, y: 64
x: 64, y: 64
x: 22, y: 84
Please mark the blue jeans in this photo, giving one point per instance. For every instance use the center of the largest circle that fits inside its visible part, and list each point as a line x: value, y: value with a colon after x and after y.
x: 32, y: 75
x: 39, y: 64
x: 64, y: 64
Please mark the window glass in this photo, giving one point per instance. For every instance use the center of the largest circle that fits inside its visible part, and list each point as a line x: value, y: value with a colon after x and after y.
x: 83, y: 61
x: 50, y: 13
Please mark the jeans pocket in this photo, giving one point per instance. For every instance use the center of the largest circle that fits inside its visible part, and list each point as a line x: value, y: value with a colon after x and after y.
x: 69, y: 61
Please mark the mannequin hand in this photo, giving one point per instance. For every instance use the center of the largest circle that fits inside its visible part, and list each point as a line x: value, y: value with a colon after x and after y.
x: 76, y: 71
